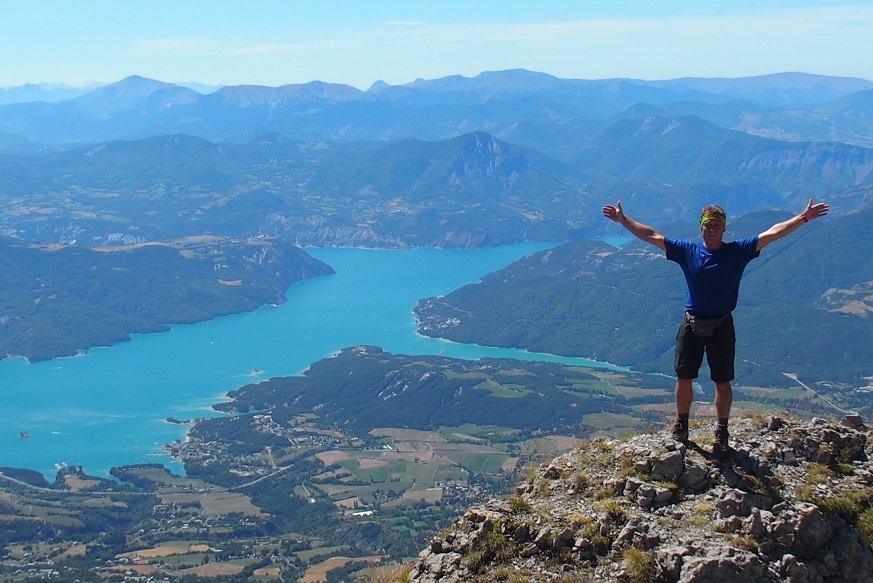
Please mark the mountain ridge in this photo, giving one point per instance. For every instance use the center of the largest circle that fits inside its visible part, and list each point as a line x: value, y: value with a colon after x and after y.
x: 470, y: 190
x: 319, y: 110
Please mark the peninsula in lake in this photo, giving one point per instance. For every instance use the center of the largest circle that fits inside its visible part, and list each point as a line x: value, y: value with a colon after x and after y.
x: 58, y: 300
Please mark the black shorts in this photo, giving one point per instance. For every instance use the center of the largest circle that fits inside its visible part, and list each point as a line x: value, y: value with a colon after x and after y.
x: 720, y: 349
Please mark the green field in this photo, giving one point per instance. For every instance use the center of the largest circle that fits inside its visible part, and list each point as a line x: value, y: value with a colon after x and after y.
x: 307, y: 555
x: 479, y: 463
x: 477, y: 432
x: 612, y: 422
x: 502, y: 391
x: 397, y: 469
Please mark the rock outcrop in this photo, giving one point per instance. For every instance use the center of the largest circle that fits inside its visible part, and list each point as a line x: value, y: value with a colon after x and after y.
x: 793, y: 502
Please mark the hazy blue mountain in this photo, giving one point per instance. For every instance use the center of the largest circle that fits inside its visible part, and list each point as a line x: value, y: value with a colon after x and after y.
x: 688, y: 149
x: 199, y: 87
x: 133, y: 92
x: 729, y: 115
x: 778, y: 90
x: 501, y: 157
x: 546, y: 108
x: 133, y: 107
x: 54, y: 92
x: 37, y: 92
x: 468, y: 191
x: 471, y: 166
x: 163, y: 163
x: 599, y: 96
x: 314, y: 91
x: 471, y: 190
x: 848, y: 119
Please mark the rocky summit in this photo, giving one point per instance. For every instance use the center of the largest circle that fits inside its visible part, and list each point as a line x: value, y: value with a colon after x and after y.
x: 792, y: 501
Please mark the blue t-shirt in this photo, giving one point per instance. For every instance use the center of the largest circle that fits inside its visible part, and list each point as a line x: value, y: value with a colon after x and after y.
x: 713, y: 277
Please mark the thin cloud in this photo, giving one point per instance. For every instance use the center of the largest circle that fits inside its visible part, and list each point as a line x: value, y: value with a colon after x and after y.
x: 405, y: 23
x: 167, y: 46
x: 784, y: 23
x: 180, y: 47
x: 283, y: 48
x: 766, y: 27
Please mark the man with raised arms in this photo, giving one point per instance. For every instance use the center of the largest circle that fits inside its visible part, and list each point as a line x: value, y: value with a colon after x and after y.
x: 713, y: 269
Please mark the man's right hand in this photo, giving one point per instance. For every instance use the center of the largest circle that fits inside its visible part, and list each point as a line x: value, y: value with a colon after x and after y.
x: 614, y: 213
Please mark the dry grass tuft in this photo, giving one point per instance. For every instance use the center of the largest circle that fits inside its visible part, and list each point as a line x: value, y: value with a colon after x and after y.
x: 388, y: 574
x: 639, y: 565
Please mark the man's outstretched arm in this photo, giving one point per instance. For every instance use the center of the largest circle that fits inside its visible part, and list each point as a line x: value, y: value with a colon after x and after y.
x: 638, y: 230
x: 779, y: 230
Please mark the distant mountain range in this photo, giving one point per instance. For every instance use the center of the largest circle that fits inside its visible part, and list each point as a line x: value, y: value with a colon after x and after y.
x: 53, y: 92
x: 782, y: 89
x: 512, y: 102
x: 468, y: 191
x: 455, y: 162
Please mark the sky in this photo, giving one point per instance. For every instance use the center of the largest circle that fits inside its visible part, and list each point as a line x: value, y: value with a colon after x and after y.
x: 358, y: 42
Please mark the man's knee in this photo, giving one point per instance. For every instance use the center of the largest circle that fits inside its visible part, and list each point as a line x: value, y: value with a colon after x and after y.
x: 723, y: 387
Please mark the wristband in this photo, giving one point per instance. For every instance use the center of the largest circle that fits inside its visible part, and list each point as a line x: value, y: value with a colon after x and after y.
x: 805, y: 220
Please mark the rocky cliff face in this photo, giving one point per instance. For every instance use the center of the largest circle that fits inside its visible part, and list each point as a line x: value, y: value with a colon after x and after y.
x: 793, y: 502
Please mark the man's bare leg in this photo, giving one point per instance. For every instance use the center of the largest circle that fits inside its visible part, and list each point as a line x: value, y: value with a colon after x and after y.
x: 724, y: 398
x: 685, y: 396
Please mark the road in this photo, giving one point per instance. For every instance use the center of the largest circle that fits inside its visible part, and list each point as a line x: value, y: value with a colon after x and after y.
x: 794, y: 378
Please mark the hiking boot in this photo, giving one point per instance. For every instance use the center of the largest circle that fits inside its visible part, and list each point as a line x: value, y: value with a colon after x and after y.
x: 680, y: 433
x: 721, y: 448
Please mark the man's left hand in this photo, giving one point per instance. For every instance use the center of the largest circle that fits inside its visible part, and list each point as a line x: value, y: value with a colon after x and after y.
x: 814, y: 211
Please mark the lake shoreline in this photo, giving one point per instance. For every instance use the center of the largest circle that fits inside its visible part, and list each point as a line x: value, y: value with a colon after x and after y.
x: 108, y: 407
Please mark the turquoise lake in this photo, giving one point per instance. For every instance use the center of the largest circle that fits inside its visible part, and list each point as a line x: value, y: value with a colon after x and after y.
x: 108, y: 407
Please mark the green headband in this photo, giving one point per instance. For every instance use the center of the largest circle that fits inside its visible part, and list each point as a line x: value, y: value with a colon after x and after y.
x: 717, y: 218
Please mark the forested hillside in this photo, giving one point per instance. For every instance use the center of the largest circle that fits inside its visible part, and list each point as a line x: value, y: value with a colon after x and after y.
x: 804, y: 304
x: 58, y: 300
